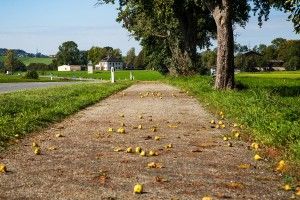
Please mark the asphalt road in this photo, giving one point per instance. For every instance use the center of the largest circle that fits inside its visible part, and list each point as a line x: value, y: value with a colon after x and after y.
x: 12, y: 87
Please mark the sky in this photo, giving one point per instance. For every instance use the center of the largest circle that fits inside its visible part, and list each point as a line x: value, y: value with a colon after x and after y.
x: 42, y: 25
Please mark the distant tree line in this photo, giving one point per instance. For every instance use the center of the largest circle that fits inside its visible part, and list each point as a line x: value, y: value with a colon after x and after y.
x: 282, y: 51
x: 22, y: 53
x: 68, y: 53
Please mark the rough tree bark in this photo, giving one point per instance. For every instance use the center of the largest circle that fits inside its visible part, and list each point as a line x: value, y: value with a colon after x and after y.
x: 225, y: 58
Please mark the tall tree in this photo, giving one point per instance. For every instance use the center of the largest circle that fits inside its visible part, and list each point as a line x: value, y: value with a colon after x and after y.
x: 10, y: 61
x: 139, y: 61
x: 165, y: 17
x: 68, y: 53
x: 130, y: 57
x: 95, y: 54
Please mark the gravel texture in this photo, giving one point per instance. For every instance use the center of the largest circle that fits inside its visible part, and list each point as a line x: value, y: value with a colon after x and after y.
x: 85, y: 165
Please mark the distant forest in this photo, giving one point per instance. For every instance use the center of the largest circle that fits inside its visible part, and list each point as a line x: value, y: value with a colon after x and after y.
x: 21, y: 53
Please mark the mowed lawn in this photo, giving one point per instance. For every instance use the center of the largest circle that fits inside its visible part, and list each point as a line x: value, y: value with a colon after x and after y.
x: 20, y: 78
x: 141, y: 75
x: 267, y: 105
x: 274, y: 74
x: 27, y: 111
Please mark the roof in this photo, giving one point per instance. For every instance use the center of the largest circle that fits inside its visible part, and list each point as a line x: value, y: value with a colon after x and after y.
x: 276, y: 61
x: 111, y: 59
x: 248, y: 53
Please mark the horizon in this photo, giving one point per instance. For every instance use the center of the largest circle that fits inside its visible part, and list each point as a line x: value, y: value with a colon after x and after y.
x: 30, y: 29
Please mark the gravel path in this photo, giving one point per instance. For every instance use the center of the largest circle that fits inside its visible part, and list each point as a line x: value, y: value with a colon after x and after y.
x: 12, y: 87
x: 84, y: 164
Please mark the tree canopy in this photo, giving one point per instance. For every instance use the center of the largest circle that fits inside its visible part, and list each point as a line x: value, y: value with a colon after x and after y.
x: 68, y: 54
x: 171, y: 31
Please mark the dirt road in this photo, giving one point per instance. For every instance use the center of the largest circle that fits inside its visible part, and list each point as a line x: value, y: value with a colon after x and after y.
x: 89, y: 162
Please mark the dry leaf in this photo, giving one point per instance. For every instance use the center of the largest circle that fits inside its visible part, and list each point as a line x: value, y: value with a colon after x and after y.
x: 244, y: 166
x: 160, y: 179
x: 118, y: 149
x: 196, y: 150
x: 58, y: 135
x: 121, y: 130
x: 281, y: 166
x: 154, y: 165
x: 235, y: 185
x: 287, y: 187
x: 2, y: 168
x: 52, y: 148
x: 172, y: 126
x: 207, y: 198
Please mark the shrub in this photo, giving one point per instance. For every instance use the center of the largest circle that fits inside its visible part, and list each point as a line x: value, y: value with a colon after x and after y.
x: 32, y: 75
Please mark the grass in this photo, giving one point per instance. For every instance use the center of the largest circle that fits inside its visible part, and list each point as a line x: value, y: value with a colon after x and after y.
x: 142, y: 75
x: 28, y: 60
x: 27, y: 111
x: 268, y: 107
x: 17, y: 79
x: 274, y: 74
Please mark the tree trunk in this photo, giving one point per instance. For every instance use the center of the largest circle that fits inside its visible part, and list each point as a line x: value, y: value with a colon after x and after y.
x: 225, y: 58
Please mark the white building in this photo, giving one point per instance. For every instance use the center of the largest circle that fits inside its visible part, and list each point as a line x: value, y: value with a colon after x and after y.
x: 109, y: 62
x: 68, y: 68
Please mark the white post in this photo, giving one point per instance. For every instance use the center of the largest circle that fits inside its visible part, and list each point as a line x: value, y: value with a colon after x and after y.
x: 112, y: 70
x: 131, y: 76
x: 90, y: 68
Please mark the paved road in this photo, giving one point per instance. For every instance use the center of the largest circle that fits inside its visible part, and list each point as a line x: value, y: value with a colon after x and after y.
x: 12, y: 87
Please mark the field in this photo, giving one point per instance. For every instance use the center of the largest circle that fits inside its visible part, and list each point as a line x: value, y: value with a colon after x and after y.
x: 142, y: 75
x: 268, y: 106
x: 280, y: 75
x: 15, y: 79
x: 26, y: 111
x: 28, y: 60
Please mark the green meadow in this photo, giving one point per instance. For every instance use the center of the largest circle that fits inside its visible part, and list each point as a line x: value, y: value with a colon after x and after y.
x: 266, y: 104
x: 141, y: 75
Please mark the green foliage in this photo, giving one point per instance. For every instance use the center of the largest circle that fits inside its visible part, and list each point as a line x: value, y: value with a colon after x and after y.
x: 141, y: 75
x: 268, y: 107
x: 139, y: 61
x: 294, y: 63
x: 32, y: 75
x: 289, y: 49
x: 68, y: 54
x: 96, y: 54
x: 24, y: 112
x: 10, y: 61
x: 209, y: 58
x: 281, y: 49
x: 170, y: 31
x: 130, y: 57
x: 28, y: 60
x: 250, y: 63
x: 38, y: 66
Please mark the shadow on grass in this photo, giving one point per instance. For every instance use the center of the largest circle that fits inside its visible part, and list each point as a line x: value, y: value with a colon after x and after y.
x: 239, y: 86
x: 285, y: 91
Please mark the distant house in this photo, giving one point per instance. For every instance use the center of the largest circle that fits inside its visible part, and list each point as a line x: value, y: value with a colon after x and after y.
x: 107, y: 63
x: 276, y: 65
x: 68, y: 68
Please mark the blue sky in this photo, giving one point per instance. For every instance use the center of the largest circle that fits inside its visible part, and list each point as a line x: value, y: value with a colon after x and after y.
x: 45, y: 24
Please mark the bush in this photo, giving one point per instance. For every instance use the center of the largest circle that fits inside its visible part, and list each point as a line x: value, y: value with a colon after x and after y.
x: 32, y: 75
